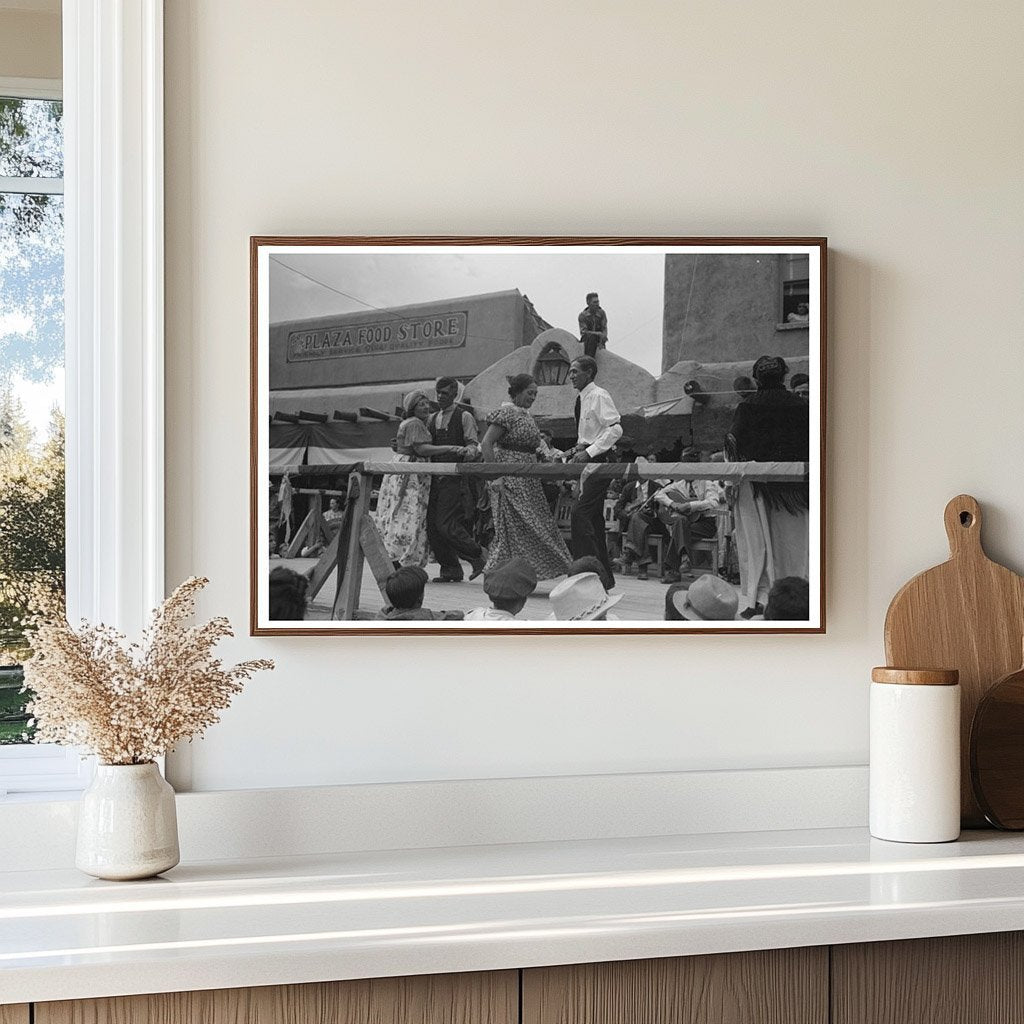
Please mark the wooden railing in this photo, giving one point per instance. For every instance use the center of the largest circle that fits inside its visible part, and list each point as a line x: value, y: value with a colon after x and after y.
x: 358, y: 540
x: 727, y: 471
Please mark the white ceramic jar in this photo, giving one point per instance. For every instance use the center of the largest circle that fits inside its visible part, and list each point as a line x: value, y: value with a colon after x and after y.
x: 915, y: 755
x: 127, y: 823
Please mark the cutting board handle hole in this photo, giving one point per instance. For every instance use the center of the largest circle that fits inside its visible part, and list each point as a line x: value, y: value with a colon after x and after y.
x: 966, y: 519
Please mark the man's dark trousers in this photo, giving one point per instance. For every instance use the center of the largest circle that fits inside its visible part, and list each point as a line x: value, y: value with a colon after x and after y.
x: 448, y: 533
x: 447, y: 530
x: 587, y: 524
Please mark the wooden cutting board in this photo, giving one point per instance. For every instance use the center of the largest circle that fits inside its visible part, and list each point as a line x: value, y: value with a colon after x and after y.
x: 967, y: 614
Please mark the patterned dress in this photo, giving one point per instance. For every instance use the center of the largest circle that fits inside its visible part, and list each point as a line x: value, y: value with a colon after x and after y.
x: 523, y: 524
x: 401, y: 514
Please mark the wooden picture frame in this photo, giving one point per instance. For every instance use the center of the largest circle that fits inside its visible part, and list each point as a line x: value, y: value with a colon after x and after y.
x: 345, y: 332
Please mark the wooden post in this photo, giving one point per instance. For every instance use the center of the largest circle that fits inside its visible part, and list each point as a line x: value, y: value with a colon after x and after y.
x: 347, y: 599
x: 309, y: 531
x: 376, y: 555
x: 324, y: 567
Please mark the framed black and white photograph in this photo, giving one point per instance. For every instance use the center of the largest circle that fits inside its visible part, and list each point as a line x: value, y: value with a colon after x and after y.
x: 537, y: 435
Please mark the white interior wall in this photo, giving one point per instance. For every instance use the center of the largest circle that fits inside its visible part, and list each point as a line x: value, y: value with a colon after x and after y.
x: 894, y: 129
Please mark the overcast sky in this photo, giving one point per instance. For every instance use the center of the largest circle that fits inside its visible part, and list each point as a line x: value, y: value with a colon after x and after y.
x: 631, y: 287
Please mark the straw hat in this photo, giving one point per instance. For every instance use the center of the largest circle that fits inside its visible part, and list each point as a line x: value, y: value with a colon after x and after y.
x: 580, y: 598
x: 707, y: 599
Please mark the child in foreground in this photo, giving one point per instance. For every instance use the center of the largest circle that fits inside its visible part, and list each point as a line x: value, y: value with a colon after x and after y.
x: 508, y: 586
x: 404, y: 589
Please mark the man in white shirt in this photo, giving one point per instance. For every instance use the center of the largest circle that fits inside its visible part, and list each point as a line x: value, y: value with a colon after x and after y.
x: 598, y: 428
x: 686, y: 508
x: 681, y: 512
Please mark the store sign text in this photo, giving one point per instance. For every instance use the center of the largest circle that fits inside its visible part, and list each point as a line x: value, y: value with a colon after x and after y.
x: 379, y: 337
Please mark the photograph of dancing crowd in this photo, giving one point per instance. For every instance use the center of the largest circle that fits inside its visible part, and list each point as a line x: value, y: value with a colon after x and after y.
x: 463, y: 460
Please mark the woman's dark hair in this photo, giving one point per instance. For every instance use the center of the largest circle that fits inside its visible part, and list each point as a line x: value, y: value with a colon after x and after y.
x: 769, y: 370
x: 518, y: 383
x: 288, y: 598
x: 404, y: 587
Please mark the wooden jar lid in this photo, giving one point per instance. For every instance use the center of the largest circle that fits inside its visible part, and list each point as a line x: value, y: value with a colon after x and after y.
x: 916, y: 676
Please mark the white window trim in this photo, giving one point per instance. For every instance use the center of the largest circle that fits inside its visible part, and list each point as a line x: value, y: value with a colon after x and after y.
x: 114, y: 324
x: 32, y: 88
x: 31, y: 186
x: 43, y: 768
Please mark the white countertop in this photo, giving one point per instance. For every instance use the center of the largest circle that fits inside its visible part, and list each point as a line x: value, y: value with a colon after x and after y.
x: 224, y: 924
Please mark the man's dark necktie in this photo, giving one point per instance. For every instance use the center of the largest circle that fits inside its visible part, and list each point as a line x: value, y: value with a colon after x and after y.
x: 576, y: 411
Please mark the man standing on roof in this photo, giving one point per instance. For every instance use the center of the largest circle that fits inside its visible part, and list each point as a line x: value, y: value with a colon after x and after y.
x: 593, y: 326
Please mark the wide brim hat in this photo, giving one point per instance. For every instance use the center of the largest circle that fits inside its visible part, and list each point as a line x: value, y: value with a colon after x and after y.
x: 707, y: 599
x: 580, y: 598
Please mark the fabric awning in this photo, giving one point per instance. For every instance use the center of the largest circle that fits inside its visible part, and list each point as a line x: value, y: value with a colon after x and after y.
x: 336, y: 443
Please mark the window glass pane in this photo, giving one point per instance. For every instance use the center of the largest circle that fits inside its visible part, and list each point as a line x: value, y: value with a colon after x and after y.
x: 31, y: 430
x: 31, y: 138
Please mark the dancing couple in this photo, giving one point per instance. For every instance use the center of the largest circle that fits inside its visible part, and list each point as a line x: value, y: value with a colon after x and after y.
x: 523, y: 523
x: 417, y: 513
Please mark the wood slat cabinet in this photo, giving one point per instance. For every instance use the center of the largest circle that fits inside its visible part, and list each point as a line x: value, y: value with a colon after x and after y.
x: 961, y: 979
x: 775, y: 986
x: 966, y: 979
x: 479, y: 998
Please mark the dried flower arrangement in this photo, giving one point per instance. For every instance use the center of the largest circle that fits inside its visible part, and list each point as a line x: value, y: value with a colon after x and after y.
x: 129, y: 704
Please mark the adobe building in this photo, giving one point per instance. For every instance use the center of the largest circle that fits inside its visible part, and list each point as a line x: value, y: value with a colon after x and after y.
x: 372, y: 359
x: 547, y: 359
x: 722, y: 312
x: 733, y: 307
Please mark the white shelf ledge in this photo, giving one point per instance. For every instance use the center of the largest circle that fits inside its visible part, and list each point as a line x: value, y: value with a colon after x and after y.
x: 354, y: 915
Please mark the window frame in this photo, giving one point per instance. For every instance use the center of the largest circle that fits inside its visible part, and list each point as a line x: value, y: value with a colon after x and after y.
x: 37, y: 767
x: 781, y: 323
x: 112, y: 90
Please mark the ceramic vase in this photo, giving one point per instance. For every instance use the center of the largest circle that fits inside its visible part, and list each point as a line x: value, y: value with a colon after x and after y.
x: 127, y: 825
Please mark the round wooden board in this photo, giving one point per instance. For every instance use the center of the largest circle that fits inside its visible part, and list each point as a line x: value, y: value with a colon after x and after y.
x: 997, y: 752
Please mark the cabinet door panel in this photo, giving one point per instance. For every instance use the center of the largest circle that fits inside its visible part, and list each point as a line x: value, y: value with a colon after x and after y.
x: 482, y: 998
x: 778, y: 986
x: 959, y: 979
x: 14, y: 1014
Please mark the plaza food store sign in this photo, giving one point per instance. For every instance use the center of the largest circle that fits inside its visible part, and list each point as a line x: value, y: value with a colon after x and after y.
x: 379, y: 337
